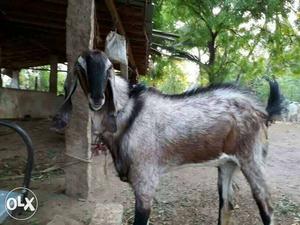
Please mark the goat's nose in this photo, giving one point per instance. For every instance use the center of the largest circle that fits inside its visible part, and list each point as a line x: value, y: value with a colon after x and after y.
x: 97, y: 101
x: 94, y: 107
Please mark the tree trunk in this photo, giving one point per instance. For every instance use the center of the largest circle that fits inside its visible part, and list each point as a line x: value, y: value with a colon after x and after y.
x: 212, y: 57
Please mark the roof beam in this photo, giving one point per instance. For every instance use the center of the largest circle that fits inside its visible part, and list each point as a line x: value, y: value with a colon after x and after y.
x: 117, y: 21
x: 36, y: 23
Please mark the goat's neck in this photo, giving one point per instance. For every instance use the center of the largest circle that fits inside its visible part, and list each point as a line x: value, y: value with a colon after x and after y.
x: 123, y: 106
x: 121, y: 93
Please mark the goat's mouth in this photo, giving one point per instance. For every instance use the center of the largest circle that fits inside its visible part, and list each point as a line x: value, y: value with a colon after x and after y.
x: 96, y: 105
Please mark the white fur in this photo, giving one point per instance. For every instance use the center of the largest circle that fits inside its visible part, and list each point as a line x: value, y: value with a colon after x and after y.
x: 223, y: 159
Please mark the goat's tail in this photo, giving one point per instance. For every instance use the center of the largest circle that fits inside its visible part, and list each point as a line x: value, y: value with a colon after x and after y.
x: 274, y: 106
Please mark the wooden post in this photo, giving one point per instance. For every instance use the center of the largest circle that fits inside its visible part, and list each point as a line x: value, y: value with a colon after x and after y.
x: 79, y: 37
x: 53, y: 75
x: 36, y: 84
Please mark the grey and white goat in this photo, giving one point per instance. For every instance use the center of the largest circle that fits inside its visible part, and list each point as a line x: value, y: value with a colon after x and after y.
x: 148, y: 133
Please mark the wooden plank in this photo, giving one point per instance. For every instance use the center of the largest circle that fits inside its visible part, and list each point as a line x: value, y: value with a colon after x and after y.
x: 28, y: 46
x: 36, y: 23
x: 24, y: 28
x: 134, y: 16
x: 41, y: 16
x: 36, y: 6
x: 26, y: 64
x: 42, y: 22
x: 60, y: 2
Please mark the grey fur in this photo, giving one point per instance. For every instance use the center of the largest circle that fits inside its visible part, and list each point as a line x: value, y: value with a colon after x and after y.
x: 223, y: 124
x: 149, y: 133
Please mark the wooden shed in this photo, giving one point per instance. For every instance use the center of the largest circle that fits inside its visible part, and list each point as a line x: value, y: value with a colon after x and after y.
x: 32, y: 32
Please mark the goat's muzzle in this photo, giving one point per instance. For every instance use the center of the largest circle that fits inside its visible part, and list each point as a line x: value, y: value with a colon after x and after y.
x: 96, y: 104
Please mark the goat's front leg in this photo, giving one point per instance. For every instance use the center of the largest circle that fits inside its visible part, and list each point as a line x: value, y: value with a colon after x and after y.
x: 142, y: 210
x: 144, y: 189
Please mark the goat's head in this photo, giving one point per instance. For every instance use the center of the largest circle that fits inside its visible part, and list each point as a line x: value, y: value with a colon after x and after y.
x: 95, y: 73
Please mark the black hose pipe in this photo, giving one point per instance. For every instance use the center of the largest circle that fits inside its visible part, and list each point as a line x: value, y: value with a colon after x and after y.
x: 30, y: 153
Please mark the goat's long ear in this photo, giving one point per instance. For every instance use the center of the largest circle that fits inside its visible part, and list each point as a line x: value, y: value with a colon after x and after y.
x: 62, y: 117
x: 111, y: 121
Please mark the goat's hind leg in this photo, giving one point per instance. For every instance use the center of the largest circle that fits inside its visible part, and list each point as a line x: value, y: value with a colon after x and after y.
x: 225, y: 175
x: 254, y: 174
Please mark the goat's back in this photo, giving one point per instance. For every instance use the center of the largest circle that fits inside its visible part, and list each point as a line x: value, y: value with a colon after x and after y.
x: 195, y: 127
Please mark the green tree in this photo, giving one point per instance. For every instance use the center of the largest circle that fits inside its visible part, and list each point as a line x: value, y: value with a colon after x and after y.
x: 216, y: 28
x: 61, y: 77
x: 166, y: 76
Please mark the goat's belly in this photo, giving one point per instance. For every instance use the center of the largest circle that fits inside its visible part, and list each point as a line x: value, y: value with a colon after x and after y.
x: 221, y: 160
x: 198, y: 150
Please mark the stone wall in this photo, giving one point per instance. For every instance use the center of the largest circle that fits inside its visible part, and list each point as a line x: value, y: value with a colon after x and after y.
x: 16, y: 103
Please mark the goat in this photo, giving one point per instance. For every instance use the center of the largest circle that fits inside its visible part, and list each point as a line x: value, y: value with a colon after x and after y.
x: 148, y: 133
x: 276, y: 100
x: 292, y: 112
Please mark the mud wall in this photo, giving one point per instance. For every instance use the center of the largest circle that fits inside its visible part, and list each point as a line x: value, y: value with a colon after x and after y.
x: 15, y: 103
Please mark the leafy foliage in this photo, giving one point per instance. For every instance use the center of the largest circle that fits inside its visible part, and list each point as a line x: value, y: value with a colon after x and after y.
x: 239, y: 41
x: 166, y: 76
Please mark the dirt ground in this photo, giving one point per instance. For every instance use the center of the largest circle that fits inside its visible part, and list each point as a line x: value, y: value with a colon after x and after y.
x: 186, y: 196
